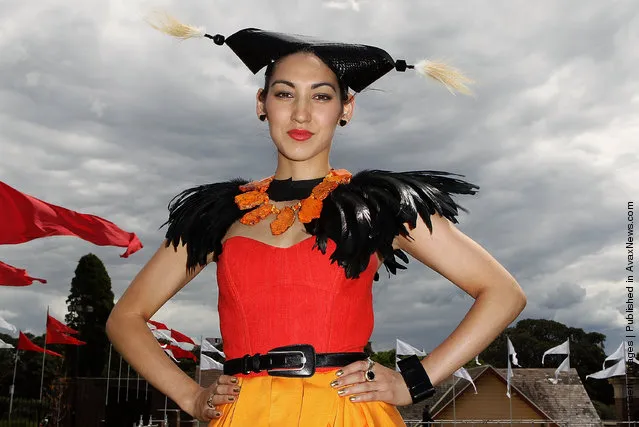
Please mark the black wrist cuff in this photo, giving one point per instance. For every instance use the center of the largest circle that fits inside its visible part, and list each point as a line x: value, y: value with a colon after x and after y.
x: 416, y: 378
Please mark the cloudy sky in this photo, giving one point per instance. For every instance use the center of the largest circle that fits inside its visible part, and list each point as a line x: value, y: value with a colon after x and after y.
x: 102, y: 114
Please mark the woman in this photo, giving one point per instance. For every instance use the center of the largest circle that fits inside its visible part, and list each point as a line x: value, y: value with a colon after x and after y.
x: 295, y: 291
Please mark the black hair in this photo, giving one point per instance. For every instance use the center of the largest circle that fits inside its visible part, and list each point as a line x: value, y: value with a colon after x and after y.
x: 270, y: 69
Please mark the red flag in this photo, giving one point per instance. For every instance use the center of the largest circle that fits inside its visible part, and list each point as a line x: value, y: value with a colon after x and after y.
x: 184, y: 342
x: 158, y: 325
x: 25, y: 343
x: 55, y: 324
x: 25, y: 218
x: 55, y: 336
x: 178, y: 353
x: 12, y: 276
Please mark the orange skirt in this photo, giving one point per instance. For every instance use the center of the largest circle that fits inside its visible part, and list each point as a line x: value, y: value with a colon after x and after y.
x: 304, y: 402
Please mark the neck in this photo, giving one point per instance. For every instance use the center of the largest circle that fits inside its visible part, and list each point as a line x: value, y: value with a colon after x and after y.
x: 298, y: 171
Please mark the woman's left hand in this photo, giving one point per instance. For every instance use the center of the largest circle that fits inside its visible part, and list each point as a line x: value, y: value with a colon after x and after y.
x: 387, y: 386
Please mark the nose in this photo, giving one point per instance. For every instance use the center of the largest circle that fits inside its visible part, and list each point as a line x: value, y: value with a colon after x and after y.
x: 301, y: 111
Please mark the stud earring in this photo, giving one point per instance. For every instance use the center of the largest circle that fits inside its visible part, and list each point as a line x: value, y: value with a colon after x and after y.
x: 262, y: 117
x: 342, y: 123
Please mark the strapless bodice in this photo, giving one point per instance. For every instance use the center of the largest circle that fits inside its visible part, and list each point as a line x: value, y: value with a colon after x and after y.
x: 271, y: 297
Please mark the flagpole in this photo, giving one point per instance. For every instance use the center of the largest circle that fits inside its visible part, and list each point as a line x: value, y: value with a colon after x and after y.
x: 44, y: 354
x: 106, y: 402
x: 510, y: 399
x: 199, y: 377
x: 166, y: 418
x: 510, y: 404
x: 119, y: 378
x: 128, y: 374
x: 454, y: 408
x: 569, y: 388
x: 626, y: 375
x: 13, y: 385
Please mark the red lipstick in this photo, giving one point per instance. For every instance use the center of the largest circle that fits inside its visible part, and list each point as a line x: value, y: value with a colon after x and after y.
x: 299, y: 134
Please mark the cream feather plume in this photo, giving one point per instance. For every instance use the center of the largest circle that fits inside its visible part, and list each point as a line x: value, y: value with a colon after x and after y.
x: 452, y: 78
x: 168, y: 24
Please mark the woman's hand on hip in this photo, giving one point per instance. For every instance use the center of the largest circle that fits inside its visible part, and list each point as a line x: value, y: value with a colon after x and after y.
x: 383, y: 384
x: 208, y: 400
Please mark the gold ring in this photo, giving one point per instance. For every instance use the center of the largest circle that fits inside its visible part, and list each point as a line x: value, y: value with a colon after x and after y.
x: 369, y: 375
x: 209, y: 402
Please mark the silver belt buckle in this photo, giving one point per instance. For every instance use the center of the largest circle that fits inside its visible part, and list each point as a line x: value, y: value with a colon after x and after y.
x: 305, y: 352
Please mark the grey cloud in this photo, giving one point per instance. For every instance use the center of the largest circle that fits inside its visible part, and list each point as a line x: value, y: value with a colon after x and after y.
x: 563, y: 295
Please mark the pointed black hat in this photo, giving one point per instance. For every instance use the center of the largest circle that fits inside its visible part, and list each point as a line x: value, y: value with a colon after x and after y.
x: 356, y: 65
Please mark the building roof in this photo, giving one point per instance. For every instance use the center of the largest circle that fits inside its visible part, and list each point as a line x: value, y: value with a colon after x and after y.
x: 565, y: 400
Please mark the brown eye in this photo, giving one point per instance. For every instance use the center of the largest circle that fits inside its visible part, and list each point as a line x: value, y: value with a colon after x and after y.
x: 283, y: 95
x: 323, y: 97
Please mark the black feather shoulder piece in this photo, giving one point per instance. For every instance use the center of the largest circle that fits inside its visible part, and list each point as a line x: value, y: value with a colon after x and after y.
x: 200, y: 217
x: 365, y: 215
x: 362, y: 217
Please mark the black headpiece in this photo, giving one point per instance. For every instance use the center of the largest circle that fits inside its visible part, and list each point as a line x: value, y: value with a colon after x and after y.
x: 354, y: 64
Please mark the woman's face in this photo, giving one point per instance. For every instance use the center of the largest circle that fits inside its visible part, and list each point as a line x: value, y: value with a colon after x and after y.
x: 303, y: 106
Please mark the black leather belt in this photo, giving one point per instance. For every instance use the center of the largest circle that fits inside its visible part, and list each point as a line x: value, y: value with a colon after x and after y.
x: 298, y: 360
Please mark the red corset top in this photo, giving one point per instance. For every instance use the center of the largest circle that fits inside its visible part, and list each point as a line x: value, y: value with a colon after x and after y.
x: 271, y: 297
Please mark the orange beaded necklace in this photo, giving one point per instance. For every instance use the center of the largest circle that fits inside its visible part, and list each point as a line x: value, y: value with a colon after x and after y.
x: 308, y: 209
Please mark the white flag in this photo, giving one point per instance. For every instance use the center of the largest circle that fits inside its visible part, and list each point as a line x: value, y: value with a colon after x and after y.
x: 565, y: 366
x: 207, y: 346
x: 163, y: 335
x: 477, y: 360
x: 207, y: 363
x: 512, y: 352
x: 509, y: 375
x: 618, y: 354
x: 8, y: 326
x: 563, y: 348
x: 5, y: 345
x: 405, y: 349
x: 617, y: 369
x: 463, y: 373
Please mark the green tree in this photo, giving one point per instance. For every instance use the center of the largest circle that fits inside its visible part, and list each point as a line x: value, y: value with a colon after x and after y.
x: 385, y: 358
x: 532, y: 337
x: 89, y: 304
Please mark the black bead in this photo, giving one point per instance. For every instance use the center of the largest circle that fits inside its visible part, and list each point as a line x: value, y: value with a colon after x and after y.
x: 400, y: 65
x: 218, y: 39
x: 262, y: 117
x: 342, y: 123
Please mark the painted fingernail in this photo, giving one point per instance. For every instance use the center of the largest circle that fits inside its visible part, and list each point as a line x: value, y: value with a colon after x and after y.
x: 339, y: 373
x: 217, y: 414
x: 231, y: 398
x: 234, y: 380
x: 236, y: 389
x: 352, y: 398
x: 341, y: 392
x: 334, y: 383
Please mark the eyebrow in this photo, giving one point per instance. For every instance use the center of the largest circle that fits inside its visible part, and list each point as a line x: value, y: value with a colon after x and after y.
x: 313, y: 86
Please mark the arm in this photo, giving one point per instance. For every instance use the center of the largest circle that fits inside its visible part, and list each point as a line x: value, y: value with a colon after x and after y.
x: 161, y: 278
x: 498, y: 297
